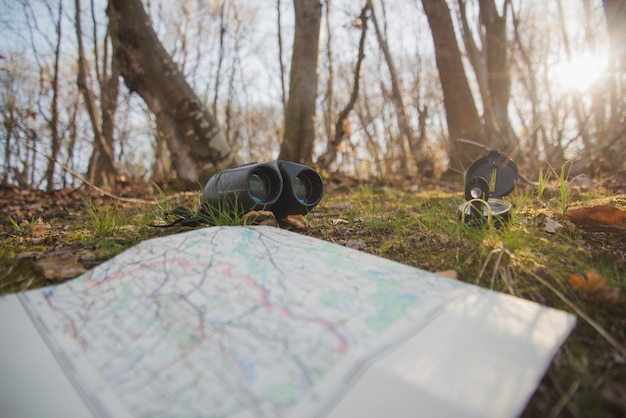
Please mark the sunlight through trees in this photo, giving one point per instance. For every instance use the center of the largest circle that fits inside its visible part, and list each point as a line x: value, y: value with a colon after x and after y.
x: 424, y: 91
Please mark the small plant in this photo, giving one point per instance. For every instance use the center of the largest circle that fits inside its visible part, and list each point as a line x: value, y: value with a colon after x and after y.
x: 564, y: 193
x: 162, y: 204
x: 15, y: 225
x: 103, y: 220
x: 543, y: 182
x: 225, y: 214
x: 24, y: 226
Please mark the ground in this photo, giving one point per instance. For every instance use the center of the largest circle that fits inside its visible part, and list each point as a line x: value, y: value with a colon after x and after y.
x: 542, y: 254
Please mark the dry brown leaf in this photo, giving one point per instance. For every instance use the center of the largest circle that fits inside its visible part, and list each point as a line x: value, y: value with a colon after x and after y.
x: 294, y: 222
x: 41, y: 229
x: 595, y: 286
x: 259, y: 217
x: 600, y: 215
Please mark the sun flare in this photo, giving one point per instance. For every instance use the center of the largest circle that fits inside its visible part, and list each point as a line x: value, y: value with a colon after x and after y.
x: 580, y: 72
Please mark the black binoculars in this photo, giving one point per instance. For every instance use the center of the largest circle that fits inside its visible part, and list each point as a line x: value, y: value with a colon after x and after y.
x: 283, y: 187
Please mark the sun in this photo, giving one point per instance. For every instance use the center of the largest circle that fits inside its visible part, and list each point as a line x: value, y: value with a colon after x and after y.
x: 580, y: 72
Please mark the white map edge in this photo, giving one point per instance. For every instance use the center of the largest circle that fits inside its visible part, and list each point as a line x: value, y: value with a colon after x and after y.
x: 479, y: 358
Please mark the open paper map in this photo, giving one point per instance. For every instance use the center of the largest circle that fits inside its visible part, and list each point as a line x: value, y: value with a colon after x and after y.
x: 239, y: 322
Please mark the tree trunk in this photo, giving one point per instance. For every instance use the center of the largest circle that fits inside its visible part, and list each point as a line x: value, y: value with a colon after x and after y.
x: 528, y: 79
x: 500, y: 135
x: 461, y: 114
x: 53, y: 123
x: 197, y: 145
x: 299, y: 134
x: 615, y: 136
x: 491, y: 66
x: 615, y: 13
x: 101, y: 164
x: 406, y: 141
x: 342, y: 126
x: 104, y: 173
x: 281, y: 65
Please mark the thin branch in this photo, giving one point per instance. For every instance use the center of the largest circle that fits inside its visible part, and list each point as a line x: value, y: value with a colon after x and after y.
x: 342, y: 129
x: 87, y: 182
x: 603, y: 333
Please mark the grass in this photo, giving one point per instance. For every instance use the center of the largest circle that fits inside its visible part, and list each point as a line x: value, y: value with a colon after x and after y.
x: 588, y: 375
x: 564, y: 193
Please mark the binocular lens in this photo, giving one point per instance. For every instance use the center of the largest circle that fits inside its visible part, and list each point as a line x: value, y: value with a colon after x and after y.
x: 259, y: 186
x: 302, y: 189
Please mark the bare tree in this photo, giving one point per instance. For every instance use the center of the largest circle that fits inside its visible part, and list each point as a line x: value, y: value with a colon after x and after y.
x: 328, y: 99
x: 101, y: 168
x: 220, y: 58
x: 528, y: 75
x: 491, y: 65
x: 55, y: 140
x: 615, y: 13
x: 615, y: 140
x: 17, y: 95
x: 461, y: 113
x: 102, y: 164
x: 299, y: 134
x: 197, y: 145
x: 407, y: 140
x: 281, y: 64
x: 342, y: 126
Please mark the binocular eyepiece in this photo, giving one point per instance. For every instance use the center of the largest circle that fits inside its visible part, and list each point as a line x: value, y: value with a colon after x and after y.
x: 283, y: 187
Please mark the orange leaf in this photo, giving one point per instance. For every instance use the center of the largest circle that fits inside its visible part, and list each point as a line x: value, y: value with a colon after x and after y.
x: 295, y: 222
x: 577, y: 282
x: 259, y: 217
x: 604, y: 215
x: 41, y: 229
x: 595, y: 286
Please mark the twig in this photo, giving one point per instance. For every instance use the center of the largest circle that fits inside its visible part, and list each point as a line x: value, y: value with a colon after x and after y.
x: 474, y: 143
x: 484, y: 266
x: 88, y: 183
x: 565, y: 398
x: 495, y: 268
x: 619, y: 347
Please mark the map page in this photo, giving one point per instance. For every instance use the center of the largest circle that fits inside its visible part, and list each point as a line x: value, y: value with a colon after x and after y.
x: 240, y: 322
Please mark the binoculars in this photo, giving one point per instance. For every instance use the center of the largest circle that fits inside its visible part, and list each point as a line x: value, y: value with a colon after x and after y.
x: 283, y: 187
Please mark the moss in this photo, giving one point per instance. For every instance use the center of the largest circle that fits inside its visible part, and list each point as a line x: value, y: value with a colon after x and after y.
x: 16, y: 273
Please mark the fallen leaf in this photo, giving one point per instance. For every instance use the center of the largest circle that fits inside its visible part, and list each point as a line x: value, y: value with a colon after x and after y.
x: 598, y: 217
x: 589, y: 284
x: 41, y: 229
x: 259, y: 217
x: 595, y: 286
x: 294, y: 222
x: 551, y: 226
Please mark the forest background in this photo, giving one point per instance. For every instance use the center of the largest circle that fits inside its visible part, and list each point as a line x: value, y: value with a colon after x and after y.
x: 372, y: 89
x: 386, y: 99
